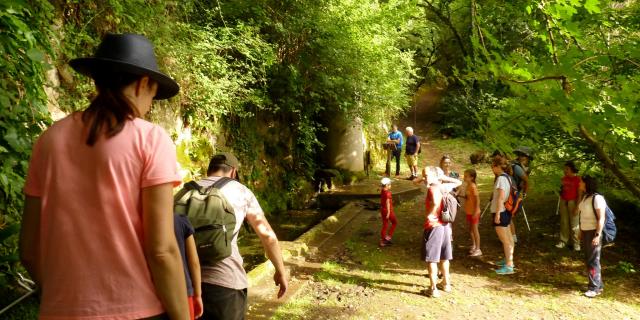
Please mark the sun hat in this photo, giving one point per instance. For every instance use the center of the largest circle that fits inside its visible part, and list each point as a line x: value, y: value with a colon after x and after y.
x: 524, y: 151
x: 385, y: 181
x: 130, y: 53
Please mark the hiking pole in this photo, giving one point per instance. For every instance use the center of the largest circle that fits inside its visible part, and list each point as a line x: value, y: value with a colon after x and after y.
x: 485, y: 209
x: 525, y: 218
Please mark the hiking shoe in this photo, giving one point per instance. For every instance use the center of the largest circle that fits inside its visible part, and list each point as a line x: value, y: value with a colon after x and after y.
x: 383, y: 243
x: 576, y: 247
x: 387, y: 242
x: 472, y: 250
x: 476, y: 253
x: 445, y: 288
x: 505, y: 270
x: 561, y: 245
x: 592, y: 293
x: 434, y: 293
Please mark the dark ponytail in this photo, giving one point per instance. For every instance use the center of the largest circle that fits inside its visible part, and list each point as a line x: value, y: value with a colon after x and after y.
x: 590, y: 184
x: 109, y: 111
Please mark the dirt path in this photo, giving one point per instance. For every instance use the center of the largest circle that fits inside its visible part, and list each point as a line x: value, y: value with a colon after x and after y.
x: 363, y: 281
x: 356, y: 279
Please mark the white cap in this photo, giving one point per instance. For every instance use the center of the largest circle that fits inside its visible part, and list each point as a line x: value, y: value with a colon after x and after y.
x: 385, y: 181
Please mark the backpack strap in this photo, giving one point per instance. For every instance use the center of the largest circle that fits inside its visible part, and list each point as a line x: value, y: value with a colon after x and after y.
x: 191, y: 185
x: 593, y: 205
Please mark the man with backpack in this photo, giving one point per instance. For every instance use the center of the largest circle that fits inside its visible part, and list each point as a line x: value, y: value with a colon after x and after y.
x: 217, y: 207
x: 520, y: 168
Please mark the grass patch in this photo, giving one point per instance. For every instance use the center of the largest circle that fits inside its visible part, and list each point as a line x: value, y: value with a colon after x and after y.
x: 294, y: 309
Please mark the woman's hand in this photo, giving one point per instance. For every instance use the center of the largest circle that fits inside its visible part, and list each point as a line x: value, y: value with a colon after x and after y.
x: 388, y: 214
x: 595, y: 241
x: 497, y: 219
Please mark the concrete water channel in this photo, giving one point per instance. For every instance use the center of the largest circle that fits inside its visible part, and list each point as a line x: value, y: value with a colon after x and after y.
x: 292, y: 224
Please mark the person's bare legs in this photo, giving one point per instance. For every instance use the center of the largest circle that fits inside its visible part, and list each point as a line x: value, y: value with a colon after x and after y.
x: 444, y: 268
x: 504, y: 234
x: 433, y: 274
x: 512, y: 226
x: 475, y: 236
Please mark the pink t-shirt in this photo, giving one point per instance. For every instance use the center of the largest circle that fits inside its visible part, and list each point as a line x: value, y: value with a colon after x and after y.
x: 91, y: 253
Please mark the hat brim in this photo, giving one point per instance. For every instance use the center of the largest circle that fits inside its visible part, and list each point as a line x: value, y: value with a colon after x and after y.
x: 167, y: 87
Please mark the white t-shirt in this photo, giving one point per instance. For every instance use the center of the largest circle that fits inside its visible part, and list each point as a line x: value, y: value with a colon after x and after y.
x: 502, y: 183
x: 587, y: 215
x: 229, y: 272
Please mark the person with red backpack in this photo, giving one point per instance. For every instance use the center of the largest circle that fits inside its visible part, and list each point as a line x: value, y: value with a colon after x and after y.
x: 502, y: 216
x: 520, y: 173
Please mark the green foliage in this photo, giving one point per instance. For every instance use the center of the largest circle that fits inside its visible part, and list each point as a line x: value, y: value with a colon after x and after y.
x: 23, y: 114
x: 549, y: 68
x: 625, y: 267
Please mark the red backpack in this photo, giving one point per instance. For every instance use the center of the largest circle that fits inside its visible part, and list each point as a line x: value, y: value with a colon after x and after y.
x: 513, y: 202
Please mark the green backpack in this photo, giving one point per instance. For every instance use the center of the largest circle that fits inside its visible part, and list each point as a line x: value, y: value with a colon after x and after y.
x: 211, y: 216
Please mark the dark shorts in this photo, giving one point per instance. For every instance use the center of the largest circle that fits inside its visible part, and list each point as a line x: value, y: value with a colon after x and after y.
x: 436, y: 244
x: 505, y: 219
x: 223, y: 303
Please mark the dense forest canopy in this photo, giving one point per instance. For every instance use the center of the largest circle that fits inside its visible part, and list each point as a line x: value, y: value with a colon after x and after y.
x: 262, y: 78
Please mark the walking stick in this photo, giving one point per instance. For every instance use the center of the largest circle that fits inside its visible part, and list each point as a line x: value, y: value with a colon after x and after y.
x: 485, y: 209
x: 525, y: 218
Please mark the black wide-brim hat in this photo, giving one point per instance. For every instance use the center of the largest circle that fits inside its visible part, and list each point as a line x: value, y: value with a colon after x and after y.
x: 128, y: 53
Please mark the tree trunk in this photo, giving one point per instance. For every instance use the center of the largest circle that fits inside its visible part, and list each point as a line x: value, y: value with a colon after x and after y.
x: 609, y: 163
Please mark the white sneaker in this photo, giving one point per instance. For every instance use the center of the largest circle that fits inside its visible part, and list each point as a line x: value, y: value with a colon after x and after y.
x: 561, y: 245
x: 435, y: 293
x: 592, y: 293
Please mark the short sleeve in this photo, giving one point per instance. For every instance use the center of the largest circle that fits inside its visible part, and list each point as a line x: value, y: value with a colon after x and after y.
x: 251, y: 203
x: 518, y: 171
x: 33, y: 184
x: 160, y: 165
x: 502, y: 183
x: 599, y: 202
x: 187, y: 228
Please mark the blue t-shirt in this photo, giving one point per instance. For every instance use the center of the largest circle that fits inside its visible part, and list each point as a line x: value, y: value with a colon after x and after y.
x: 183, y: 230
x: 518, y: 175
x: 396, y: 135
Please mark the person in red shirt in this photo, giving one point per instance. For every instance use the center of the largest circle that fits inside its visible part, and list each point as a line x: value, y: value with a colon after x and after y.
x: 386, y: 211
x: 569, y: 217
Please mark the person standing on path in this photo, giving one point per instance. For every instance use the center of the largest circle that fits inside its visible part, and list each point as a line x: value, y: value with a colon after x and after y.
x: 411, y: 151
x: 472, y: 210
x: 569, y: 218
x: 592, y: 217
x: 445, y: 165
x: 224, y: 283
x: 436, y: 247
x: 387, y: 214
x: 502, y: 217
x: 520, y: 169
x: 394, y: 138
x: 97, y: 231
